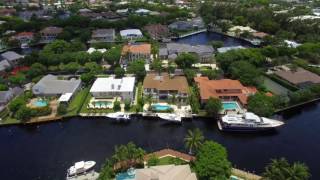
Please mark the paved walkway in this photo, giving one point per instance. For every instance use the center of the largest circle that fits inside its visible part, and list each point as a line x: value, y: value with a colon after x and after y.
x: 245, y: 175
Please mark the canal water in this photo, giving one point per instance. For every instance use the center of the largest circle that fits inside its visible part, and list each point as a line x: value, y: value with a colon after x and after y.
x: 45, y: 151
x: 206, y: 37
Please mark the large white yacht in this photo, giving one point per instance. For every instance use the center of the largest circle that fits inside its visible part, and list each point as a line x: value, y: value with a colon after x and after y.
x: 80, y: 167
x: 170, y: 117
x: 247, y: 122
x: 119, y: 116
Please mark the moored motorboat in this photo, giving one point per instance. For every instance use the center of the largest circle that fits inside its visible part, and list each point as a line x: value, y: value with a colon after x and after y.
x: 80, y: 167
x: 170, y: 117
x: 119, y: 116
x: 247, y: 122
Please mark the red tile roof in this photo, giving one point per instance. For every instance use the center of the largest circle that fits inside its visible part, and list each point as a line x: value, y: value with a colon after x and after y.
x: 136, y: 48
x: 224, y: 87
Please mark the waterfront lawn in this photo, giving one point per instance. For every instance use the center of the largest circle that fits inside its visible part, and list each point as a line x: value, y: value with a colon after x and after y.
x: 77, y: 102
x: 6, y: 119
x: 171, y: 160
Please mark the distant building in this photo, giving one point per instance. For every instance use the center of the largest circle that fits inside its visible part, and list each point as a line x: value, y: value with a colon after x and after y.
x: 103, y: 35
x: 111, y: 87
x: 50, y: 34
x: 299, y: 77
x: 24, y: 37
x: 224, y: 89
x: 6, y: 96
x: 162, y: 86
x: 238, y: 30
x: 226, y: 49
x: 12, y: 57
x: 195, y: 23
x: 4, y: 65
x: 157, y: 31
x: 131, y: 33
x: 166, y: 172
x: 50, y: 85
x: 142, y: 11
x: 7, y: 11
x: 132, y: 52
x: 172, y: 50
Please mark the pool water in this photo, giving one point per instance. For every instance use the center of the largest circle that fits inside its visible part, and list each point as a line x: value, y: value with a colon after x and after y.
x: 129, y: 175
x: 160, y: 107
x: 40, y: 103
x: 230, y: 105
x: 101, y: 103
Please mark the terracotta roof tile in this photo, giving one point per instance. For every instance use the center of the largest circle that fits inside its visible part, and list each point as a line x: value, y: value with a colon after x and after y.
x: 136, y: 48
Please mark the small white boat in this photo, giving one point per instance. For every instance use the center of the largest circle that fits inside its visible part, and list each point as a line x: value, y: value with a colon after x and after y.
x: 24, y: 46
x: 118, y: 116
x: 80, y: 167
x: 170, y: 117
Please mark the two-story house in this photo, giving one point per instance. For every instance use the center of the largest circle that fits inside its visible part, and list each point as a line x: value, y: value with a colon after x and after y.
x: 103, y: 35
x: 164, y: 86
x: 132, y: 52
x: 50, y: 34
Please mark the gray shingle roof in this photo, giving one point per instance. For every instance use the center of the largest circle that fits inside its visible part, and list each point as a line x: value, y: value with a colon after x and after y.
x: 5, y: 96
x: 4, y: 64
x: 51, y: 85
x: 11, y: 56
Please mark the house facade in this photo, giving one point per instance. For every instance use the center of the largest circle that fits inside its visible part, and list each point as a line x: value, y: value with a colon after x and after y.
x: 108, y: 88
x: 103, y: 35
x: 224, y: 89
x: 50, y: 34
x: 172, y: 50
x: 157, y: 31
x: 132, y: 52
x: 164, y: 86
x: 12, y: 57
x: 24, y: 37
x: 131, y: 34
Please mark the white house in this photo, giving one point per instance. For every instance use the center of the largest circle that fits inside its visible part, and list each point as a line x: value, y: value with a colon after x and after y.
x: 111, y: 87
x: 131, y: 33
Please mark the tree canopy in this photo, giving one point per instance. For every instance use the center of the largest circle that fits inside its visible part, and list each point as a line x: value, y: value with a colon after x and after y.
x: 212, y: 162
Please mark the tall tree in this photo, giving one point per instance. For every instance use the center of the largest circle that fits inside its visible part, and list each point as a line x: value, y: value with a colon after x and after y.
x: 213, y: 106
x: 193, y: 140
x: 212, y: 162
x: 280, y: 169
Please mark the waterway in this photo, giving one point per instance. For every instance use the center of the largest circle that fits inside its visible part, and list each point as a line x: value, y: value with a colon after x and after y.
x: 206, y: 37
x: 45, y: 151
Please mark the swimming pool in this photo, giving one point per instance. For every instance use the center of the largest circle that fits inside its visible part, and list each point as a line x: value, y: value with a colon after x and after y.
x: 129, y: 175
x: 161, y: 107
x: 40, y: 103
x: 102, y: 103
x: 231, y: 105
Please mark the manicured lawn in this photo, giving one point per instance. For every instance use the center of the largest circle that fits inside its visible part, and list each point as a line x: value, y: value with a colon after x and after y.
x: 6, y: 119
x: 171, y: 160
x: 77, y: 102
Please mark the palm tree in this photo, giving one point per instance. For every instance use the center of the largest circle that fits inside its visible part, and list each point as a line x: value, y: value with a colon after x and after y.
x: 193, y: 140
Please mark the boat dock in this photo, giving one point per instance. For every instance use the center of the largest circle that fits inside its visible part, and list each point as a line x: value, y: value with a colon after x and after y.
x: 92, y: 175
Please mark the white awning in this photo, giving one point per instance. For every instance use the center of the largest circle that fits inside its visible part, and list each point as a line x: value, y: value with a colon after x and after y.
x: 65, y: 97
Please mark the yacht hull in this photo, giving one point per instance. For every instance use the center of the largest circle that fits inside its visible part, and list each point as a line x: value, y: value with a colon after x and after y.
x: 223, y: 127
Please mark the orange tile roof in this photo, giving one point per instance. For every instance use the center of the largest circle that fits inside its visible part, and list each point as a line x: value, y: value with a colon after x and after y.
x: 136, y: 49
x: 25, y: 34
x: 208, y: 88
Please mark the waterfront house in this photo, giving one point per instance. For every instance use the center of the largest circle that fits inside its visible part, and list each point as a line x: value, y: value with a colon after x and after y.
x: 142, y: 11
x: 166, y: 172
x: 5, y: 97
x: 131, y: 34
x: 164, y: 86
x: 103, y: 35
x: 224, y: 89
x: 132, y: 52
x: 238, y: 30
x: 52, y: 86
x: 50, y: 34
x: 24, y: 37
x: 172, y: 50
x: 4, y: 65
x: 12, y: 57
x: 107, y: 88
x: 7, y: 12
x: 298, y: 77
x: 195, y: 23
x: 157, y: 31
